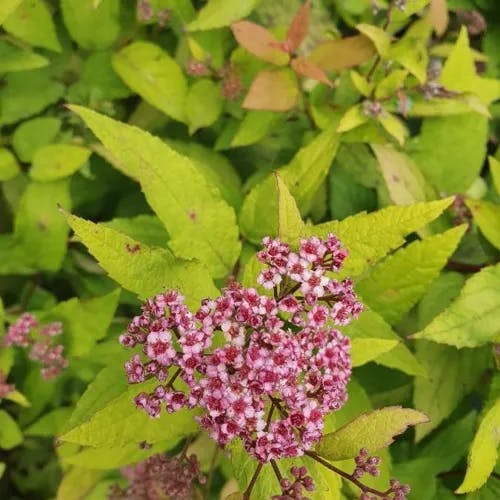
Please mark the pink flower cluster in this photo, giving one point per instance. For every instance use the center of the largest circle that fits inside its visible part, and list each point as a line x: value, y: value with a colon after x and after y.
x: 160, y: 477
x: 5, y: 388
x: 42, y: 350
x: 366, y: 464
x: 293, y: 490
x: 263, y: 369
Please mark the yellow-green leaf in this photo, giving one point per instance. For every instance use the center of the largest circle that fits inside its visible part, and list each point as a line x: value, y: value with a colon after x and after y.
x: 394, y: 126
x: 290, y: 225
x: 9, y: 167
x: 495, y: 172
x: 487, y: 217
x: 57, y: 161
x: 373, y: 431
x: 154, y: 75
x: 352, y: 118
x: 364, y: 350
x: 379, y: 37
x: 484, y: 451
x: 13, y: 58
x: 10, y: 433
x: 6, y: 8
x: 219, y: 13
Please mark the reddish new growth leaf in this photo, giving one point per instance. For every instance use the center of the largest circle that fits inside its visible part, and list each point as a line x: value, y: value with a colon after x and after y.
x: 259, y: 42
x: 304, y: 67
x: 298, y: 28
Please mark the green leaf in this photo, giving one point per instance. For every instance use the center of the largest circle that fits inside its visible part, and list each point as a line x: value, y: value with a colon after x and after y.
x: 143, y: 270
x: 379, y: 37
x: 203, y: 104
x: 353, y: 117
x: 6, y: 8
x: 82, y: 16
x: 50, y: 423
x: 33, y: 134
x: 365, y: 350
x: 84, y: 322
x: 10, y: 434
x: 18, y: 398
x: 57, y: 161
x: 254, y: 126
x: 473, y: 319
x: 27, y: 93
x: 32, y: 23
x: 154, y: 75
x: 146, y: 229
x: 403, y: 179
x: 219, y: 13
x: 303, y: 176
x: 395, y: 285
x: 495, y: 172
x: 361, y: 83
x: 394, y: 126
x: 76, y: 483
x: 439, y: 393
x: 453, y: 166
x: 388, y: 86
x: 369, y: 237
x: 373, y: 431
x: 200, y: 223
x: 484, y: 451
x: 369, y: 325
x: 487, y: 217
x: 95, y: 421
x: 13, y: 58
x: 9, y: 167
x: 290, y: 225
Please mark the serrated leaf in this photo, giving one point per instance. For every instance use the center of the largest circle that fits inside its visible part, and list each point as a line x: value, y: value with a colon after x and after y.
x: 373, y: 431
x: 154, y: 75
x: 57, y: 161
x: 473, y: 319
x: 259, y: 42
x: 13, y: 58
x: 272, y: 90
x: 10, y: 433
x: 369, y: 237
x: 254, y: 126
x: 143, y: 270
x: 33, y: 134
x: 348, y: 52
x: 395, y: 285
x: 82, y: 16
x: 378, y: 36
x: 9, y: 167
x: 203, y: 104
x: 451, y: 374
x: 219, y: 13
x: 462, y: 139
x: 484, y: 451
x: 31, y: 22
x: 290, y: 225
x: 298, y: 27
x: 487, y: 217
x: 200, y: 223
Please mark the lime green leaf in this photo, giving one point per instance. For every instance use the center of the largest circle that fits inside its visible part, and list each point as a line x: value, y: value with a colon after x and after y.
x: 219, y: 13
x: 453, y: 166
x: 404, y: 180
x: 388, y: 86
x: 303, y: 176
x: 19, y: 398
x: 484, y: 451
x: 487, y: 217
x: 254, y: 126
x: 6, y: 8
x: 272, y: 90
x: 458, y: 105
x: 367, y: 349
x: 473, y: 319
x: 438, y: 394
x: 379, y: 37
x: 373, y: 431
x: 57, y: 161
x: 394, y: 126
x: 97, y: 425
x: 33, y: 134
x: 203, y: 104
x: 361, y: 83
x: 82, y: 16
x: 84, y: 322
x: 369, y: 237
x: 2, y: 469
x: 143, y: 270
x: 10, y: 434
x: 395, y: 285
x: 27, y: 93
x: 353, y: 117
x: 370, y: 325
x: 32, y: 23
x: 146, y: 229
x: 13, y: 58
x: 290, y: 225
x: 154, y: 75
x: 200, y: 223
x: 495, y: 172
x: 76, y: 483
x: 9, y: 167
x: 49, y: 424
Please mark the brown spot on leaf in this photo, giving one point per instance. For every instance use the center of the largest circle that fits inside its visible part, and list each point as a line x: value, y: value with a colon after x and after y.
x: 192, y: 215
x: 395, y: 178
x: 132, y: 248
x: 41, y: 225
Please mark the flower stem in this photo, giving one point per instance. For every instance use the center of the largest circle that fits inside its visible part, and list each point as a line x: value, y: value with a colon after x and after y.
x: 248, y: 491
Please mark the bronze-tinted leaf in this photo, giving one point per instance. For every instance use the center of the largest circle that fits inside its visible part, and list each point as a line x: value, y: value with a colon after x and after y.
x: 304, y: 67
x: 347, y: 52
x: 298, y: 27
x: 274, y: 90
x: 438, y: 14
x: 259, y: 42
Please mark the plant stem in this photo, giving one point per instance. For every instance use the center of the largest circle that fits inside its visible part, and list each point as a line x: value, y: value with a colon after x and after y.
x: 276, y: 471
x: 248, y: 491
